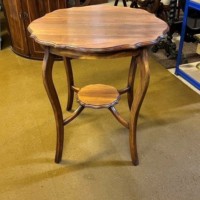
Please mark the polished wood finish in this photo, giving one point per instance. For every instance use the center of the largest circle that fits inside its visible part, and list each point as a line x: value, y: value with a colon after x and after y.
x: 139, y: 95
x: 70, y: 82
x: 98, y: 96
x: 65, y: 33
x: 19, y: 14
x: 118, y: 116
x: 13, y: 11
x: 107, y: 33
x: 47, y: 68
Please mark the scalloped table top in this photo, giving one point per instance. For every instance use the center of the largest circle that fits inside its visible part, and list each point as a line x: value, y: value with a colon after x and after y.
x: 98, y: 28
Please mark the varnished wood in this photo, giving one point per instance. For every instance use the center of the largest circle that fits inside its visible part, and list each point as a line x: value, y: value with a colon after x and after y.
x: 13, y: 11
x: 124, y: 90
x: 131, y: 78
x: 19, y: 14
x: 70, y: 82
x: 53, y: 97
x: 65, y: 33
x: 119, y: 117
x: 75, y: 114
x: 76, y: 89
x: 91, y: 55
x: 105, y: 33
x: 98, y: 96
x: 136, y: 105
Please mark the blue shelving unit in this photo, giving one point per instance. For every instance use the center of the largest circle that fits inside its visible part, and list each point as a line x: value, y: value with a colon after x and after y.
x: 195, y: 4
x: 0, y: 36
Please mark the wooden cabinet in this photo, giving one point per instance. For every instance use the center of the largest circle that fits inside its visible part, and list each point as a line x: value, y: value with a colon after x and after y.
x: 19, y: 14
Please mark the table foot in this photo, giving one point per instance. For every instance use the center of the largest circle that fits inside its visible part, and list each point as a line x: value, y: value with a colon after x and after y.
x: 135, y: 160
x: 59, y: 145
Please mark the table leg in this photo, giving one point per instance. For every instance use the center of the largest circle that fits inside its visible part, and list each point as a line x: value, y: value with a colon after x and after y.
x: 124, y: 3
x: 53, y: 97
x: 70, y: 82
x: 142, y: 61
x: 131, y: 78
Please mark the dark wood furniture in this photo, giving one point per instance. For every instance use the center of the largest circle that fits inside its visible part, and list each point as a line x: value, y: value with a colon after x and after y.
x: 0, y: 37
x: 123, y: 1
x: 175, y: 21
x: 72, y: 3
x: 153, y: 6
x: 19, y: 14
x: 0, y: 23
x: 106, y: 36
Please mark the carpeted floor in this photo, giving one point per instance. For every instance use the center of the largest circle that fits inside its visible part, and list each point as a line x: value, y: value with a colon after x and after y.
x: 96, y: 160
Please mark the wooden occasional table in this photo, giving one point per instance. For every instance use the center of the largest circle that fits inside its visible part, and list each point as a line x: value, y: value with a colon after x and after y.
x: 95, y: 32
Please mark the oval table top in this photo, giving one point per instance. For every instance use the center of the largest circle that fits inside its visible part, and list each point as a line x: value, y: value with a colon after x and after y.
x: 99, y: 28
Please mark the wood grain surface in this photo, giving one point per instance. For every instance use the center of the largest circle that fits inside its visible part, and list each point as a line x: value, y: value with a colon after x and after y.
x: 98, y: 28
x: 98, y: 96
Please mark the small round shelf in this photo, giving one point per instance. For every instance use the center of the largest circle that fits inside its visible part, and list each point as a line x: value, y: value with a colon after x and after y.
x: 98, y: 96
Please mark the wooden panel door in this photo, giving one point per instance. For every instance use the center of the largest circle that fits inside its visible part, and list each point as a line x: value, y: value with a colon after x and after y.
x: 14, y: 15
x: 19, y: 14
x: 32, y: 10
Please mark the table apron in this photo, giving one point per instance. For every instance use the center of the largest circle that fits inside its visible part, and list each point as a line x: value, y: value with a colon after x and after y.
x: 87, y: 55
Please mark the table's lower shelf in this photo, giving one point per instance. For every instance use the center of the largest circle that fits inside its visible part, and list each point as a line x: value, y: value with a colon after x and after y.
x: 98, y: 96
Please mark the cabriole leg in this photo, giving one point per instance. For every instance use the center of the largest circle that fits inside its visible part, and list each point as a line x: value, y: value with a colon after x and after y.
x: 142, y: 61
x: 53, y: 97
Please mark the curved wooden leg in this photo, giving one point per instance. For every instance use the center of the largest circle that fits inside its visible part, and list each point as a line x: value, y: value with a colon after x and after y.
x: 131, y: 78
x: 53, y: 97
x: 76, y: 113
x: 116, y: 2
x: 118, y: 117
x: 123, y: 1
x: 137, y: 102
x: 70, y: 82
